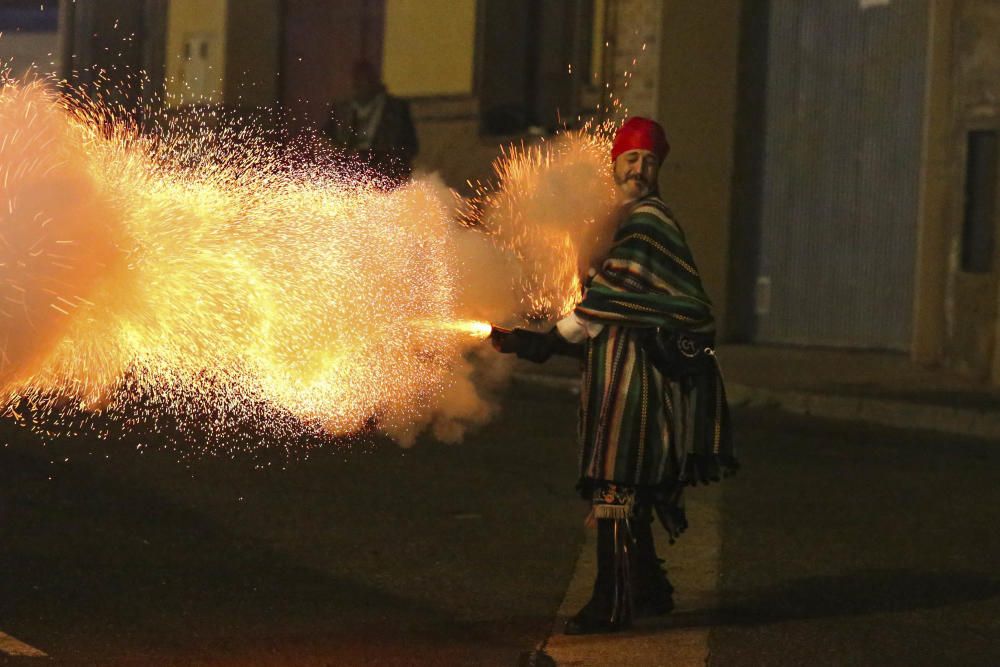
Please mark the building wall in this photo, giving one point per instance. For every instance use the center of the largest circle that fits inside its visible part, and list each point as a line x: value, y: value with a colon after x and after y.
x: 749, y: 152
x: 937, y: 199
x: 253, y: 61
x: 428, y: 47
x: 969, y: 339
x: 196, y: 22
x: 429, y: 56
x: 635, y: 47
x: 30, y: 43
x: 697, y: 74
x: 451, y: 144
x: 30, y: 54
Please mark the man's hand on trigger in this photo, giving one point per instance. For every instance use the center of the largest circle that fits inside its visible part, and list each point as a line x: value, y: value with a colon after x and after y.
x: 536, y: 346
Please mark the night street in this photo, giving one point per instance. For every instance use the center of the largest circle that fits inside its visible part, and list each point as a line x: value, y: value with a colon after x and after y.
x: 435, y: 555
x: 375, y: 332
x: 840, y: 545
x: 858, y: 546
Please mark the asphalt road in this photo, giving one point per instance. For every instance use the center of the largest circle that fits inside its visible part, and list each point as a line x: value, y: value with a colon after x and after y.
x: 848, y: 545
x: 840, y: 545
x: 372, y: 554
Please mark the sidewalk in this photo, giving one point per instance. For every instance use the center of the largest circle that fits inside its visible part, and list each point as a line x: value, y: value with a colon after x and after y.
x: 678, y: 639
x: 874, y: 387
x: 877, y: 387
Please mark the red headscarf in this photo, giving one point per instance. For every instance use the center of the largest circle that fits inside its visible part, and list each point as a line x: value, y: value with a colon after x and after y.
x: 640, y: 133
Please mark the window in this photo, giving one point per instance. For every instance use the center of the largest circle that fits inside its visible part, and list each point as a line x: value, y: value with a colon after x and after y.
x: 979, y: 223
x: 540, y: 64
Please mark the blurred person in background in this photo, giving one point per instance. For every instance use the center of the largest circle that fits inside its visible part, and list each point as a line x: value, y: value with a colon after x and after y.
x: 374, y: 128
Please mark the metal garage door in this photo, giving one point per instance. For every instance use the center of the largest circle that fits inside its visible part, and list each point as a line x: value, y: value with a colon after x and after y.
x: 845, y: 88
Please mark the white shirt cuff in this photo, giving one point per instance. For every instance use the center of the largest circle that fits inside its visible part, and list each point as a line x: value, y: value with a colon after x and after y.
x: 575, y: 329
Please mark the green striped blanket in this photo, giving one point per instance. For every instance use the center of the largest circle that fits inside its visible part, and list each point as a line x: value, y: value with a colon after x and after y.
x: 637, y: 427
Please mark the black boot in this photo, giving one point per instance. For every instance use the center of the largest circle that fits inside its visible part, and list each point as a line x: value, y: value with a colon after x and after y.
x: 652, y: 593
x: 610, y: 607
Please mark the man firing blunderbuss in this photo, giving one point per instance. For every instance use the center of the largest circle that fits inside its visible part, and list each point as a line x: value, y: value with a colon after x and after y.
x: 653, y: 412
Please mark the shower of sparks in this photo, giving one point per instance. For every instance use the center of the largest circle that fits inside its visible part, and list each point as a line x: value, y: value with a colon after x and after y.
x: 550, y: 207
x: 225, y: 293
x: 213, y: 290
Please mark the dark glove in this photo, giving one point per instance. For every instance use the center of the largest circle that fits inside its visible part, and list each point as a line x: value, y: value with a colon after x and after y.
x: 503, y: 340
x: 534, y: 346
x: 562, y: 346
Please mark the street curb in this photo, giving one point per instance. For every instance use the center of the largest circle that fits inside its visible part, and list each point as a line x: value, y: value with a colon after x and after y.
x: 872, y: 410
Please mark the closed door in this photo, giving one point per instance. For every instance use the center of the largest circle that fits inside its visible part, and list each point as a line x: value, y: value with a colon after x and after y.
x: 841, y: 163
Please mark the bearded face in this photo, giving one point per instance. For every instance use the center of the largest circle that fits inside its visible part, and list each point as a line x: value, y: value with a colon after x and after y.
x: 636, y: 173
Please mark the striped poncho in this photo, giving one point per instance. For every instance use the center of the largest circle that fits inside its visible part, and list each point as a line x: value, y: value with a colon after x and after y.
x: 636, y: 426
